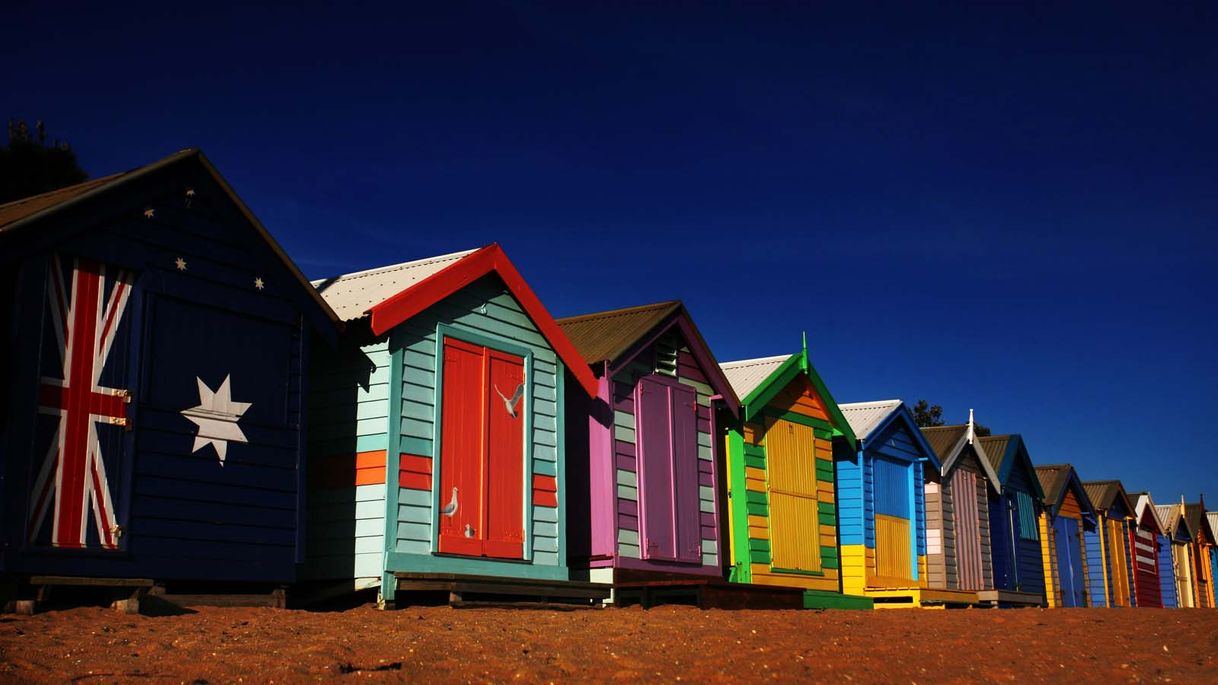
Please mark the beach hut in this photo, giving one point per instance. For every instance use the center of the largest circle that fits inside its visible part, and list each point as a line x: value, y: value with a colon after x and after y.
x: 958, y: 548
x: 642, y: 453
x: 151, y: 372
x: 1014, y: 510
x: 1149, y: 543
x: 1200, y: 553
x: 1213, y: 519
x: 1067, y: 516
x: 1181, y: 536
x: 782, y: 503
x: 881, y: 507
x: 437, y: 434
x: 1108, y: 554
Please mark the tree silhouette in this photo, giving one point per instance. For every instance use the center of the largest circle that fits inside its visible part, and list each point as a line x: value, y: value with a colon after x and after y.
x: 29, y: 165
x: 927, y: 415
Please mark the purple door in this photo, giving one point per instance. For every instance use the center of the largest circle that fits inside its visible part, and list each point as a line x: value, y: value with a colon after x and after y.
x: 665, y: 419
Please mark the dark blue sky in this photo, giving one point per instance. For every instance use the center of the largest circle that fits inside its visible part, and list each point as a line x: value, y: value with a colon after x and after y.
x: 1012, y: 209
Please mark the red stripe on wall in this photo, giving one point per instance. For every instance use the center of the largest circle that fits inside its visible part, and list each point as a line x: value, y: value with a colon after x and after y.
x: 414, y: 472
x: 545, y: 491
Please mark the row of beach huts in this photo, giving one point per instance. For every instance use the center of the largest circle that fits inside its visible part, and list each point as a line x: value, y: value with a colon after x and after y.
x: 184, y: 414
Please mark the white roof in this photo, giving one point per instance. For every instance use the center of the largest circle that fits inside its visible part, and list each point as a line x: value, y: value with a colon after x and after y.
x: 746, y: 374
x: 1213, y: 517
x: 352, y: 295
x: 865, y: 417
x: 1166, y: 513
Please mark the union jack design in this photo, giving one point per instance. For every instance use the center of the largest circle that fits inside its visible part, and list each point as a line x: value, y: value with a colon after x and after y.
x: 85, y: 311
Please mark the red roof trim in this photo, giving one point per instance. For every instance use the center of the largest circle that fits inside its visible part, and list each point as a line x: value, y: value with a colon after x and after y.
x: 461, y: 273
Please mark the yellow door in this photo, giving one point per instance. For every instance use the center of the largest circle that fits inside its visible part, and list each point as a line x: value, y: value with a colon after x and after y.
x: 794, y: 517
x: 1117, y: 542
x: 892, y: 560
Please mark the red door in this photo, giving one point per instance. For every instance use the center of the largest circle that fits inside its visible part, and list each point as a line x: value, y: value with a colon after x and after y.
x: 481, y: 452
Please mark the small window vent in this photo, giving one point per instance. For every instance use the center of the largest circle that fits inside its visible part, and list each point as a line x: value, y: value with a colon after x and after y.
x: 667, y: 349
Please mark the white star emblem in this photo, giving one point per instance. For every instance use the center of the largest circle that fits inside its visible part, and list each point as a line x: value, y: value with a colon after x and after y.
x: 217, y: 416
x: 149, y: 213
x: 180, y: 263
x: 258, y: 283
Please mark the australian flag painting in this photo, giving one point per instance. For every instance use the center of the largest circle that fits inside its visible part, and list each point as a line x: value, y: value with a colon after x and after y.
x: 83, y: 400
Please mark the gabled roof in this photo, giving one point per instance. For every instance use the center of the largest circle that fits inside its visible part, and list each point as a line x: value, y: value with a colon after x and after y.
x: 20, y: 215
x: 949, y: 443
x: 1213, y: 518
x: 616, y: 337
x: 393, y: 294
x: 870, y: 419
x: 1172, y: 518
x: 747, y: 374
x: 1055, y: 480
x: 353, y: 295
x: 1006, y: 453
x: 1197, y: 520
x: 1141, y: 503
x: 1104, y: 493
x: 605, y: 336
x: 757, y: 381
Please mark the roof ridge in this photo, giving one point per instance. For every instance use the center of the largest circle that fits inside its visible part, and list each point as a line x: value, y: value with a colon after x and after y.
x: 391, y: 267
x: 754, y: 362
x: 843, y: 405
x: 611, y: 313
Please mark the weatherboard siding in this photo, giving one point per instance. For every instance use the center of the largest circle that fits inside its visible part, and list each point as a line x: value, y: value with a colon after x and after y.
x: 623, y: 385
x: 348, y: 416
x: 484, y: 308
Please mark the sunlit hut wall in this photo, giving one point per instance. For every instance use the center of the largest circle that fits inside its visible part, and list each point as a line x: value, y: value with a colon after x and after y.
x: 1147, y: 542
x: 439, y: 427
x: 1014, y: 513
x: 642, y: 452
x: 881, y: 504
x: 1202, y: 549
x: 151, y: 312
x: 1108, y: 554
x: 782, y: 496
x: 1174, y: 522
x: 957, y: 503
x: 1067, y: 515
x: 1212, y: 516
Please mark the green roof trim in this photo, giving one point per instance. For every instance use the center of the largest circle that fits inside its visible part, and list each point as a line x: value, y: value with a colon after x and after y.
x: 755, y: 402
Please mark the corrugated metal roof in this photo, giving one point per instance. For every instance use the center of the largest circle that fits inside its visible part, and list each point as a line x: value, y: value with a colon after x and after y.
x: 1169, y: 517
x: 1194, y: 513
x: 1101, y: 493
x: 352, y: 295
x: 865, y: 417
x: 745, y: 375
x: 1053, y: 480
x: 604, y: 336
x: 1213, y: 518
x: 995, y: 448
x: 943, y: 438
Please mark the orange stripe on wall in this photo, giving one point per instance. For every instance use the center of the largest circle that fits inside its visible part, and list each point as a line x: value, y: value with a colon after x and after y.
x: 370, y: 467
x: 545, y: 491
x: 348, y: 470
x: 414, y: 472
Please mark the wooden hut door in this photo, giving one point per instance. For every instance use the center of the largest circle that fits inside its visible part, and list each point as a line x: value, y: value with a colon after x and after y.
x: 482, y: 452
x: 1069, y: 562
x: 968, y: 529
x: 1184, y: 575
x: 893, y: 554
x: 1146, y: 567
x: 82, y: 450
x: 666, y: 420
x: 794, y: 514
x: 1119, y: 562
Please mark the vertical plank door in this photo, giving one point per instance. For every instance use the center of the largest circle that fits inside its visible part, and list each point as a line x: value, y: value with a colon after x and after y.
x: 794, y: 515
x: 968, y: 529
x: 665, y: 418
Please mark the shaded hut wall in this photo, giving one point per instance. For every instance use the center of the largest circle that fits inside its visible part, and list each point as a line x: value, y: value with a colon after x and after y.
x: 484, y: 308
x: 1069, y: 508
x: 940, y: 532
x: 1025, y: 571
x: 348, y: 439
x: 968, y: 462
x: 757, y: 523
x: 652, y: 361
x: 1167, y: 573
x: 183, y: 520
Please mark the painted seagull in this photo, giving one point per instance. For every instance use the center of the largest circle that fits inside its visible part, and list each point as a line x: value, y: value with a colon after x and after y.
x: 510, y: 404
x: 450, y: 508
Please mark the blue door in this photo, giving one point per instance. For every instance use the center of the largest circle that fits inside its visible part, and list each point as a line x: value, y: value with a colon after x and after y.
x: 1069, y: 562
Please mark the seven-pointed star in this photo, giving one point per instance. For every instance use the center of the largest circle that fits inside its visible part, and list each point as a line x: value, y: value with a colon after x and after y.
x: 216, y: 416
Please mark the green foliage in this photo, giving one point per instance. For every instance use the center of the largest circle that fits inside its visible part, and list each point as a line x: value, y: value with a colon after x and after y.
x: 29, y: 165
x: 927, y: 415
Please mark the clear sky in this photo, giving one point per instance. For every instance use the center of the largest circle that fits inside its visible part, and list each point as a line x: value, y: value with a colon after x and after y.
x: 1010, y: 209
